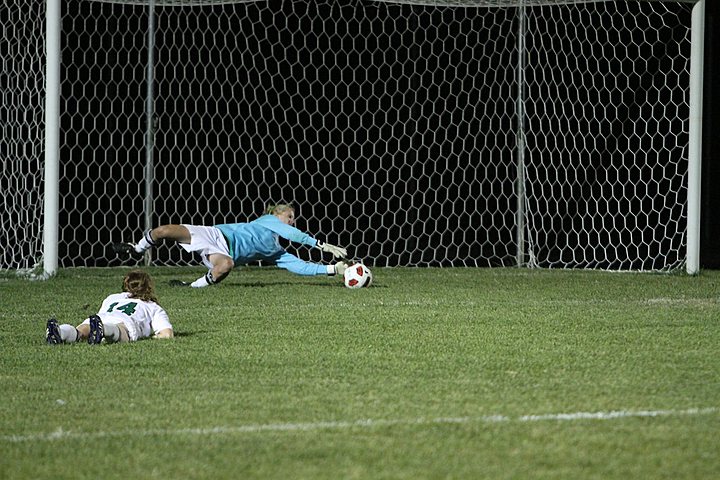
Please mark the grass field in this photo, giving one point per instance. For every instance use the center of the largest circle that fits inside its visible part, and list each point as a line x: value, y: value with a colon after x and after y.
x: 430, y: 373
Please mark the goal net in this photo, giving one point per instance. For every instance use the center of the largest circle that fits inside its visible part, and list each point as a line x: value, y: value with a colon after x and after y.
x: 489, y: 133
x: 22, y: 87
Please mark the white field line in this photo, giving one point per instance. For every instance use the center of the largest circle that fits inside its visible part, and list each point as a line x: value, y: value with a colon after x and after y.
x: 61, y: 434
x: 436, y: 302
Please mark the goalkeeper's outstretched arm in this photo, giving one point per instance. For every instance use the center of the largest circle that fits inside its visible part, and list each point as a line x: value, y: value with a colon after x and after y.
x: 281, y: 220
x: 293, y: 264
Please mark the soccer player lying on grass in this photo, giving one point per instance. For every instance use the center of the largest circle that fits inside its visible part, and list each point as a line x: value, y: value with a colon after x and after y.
x: 224, y: 246
x: 123, y: 317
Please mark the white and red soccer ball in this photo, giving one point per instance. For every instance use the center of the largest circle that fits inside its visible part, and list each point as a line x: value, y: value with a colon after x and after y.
x: 357, y: 275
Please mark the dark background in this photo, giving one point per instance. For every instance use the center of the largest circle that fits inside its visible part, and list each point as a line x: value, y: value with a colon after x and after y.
x: 399, y: 144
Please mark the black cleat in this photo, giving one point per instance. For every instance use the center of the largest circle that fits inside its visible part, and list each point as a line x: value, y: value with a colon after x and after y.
x: 52, y: 333
x: 97, y: 331
x: 125, y: 250
x: 178, y: 283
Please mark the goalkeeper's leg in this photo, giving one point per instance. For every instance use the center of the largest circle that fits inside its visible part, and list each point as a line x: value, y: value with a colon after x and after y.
x: 178, y: 233
x: 222, y: 265
x: 150, y: 238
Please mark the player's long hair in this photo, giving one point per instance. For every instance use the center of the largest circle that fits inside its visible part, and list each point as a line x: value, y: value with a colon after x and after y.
x: 139, y: 285
x: 279, y: 208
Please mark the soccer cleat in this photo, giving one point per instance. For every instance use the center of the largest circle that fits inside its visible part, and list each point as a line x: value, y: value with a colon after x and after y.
x: 125, y: 250
x: 52, y: 332
x: 178, y: 283
x: 97, y: 332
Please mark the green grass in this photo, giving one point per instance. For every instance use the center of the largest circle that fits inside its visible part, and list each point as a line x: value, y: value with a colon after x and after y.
x: 277, y: 376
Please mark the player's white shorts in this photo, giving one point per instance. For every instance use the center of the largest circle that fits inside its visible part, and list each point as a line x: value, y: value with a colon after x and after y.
x: 206, y: 241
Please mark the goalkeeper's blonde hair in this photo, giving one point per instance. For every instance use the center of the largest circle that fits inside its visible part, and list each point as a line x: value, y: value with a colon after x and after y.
x: 279, y: 208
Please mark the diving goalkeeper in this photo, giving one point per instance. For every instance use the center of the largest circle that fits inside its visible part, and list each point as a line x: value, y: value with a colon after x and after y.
x: 224, y: 246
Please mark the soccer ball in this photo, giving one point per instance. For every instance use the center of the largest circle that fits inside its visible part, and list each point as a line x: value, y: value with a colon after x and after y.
x: 357, y: 276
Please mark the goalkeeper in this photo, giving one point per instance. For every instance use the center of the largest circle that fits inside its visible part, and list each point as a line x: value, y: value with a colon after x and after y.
x: 224, y: 246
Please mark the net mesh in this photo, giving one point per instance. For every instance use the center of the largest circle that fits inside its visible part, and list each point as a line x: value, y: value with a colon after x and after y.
x: 22, y: 125
x: 394, y: 128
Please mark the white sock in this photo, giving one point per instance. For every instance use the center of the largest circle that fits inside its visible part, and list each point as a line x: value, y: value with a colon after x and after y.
x: 111, y: 332
x: 144, y: 243
x: 141, y: 246
x: 203, y: 281
x: 68, y: 333
x: 200, y: 282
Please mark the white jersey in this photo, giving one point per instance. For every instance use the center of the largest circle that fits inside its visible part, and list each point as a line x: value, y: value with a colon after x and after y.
x: 142, y: 319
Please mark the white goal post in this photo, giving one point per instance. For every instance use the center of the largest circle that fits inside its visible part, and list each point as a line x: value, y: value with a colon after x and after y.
x: 538, y: 133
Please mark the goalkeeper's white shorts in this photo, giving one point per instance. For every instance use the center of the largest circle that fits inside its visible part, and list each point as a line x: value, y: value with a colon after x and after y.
x: 206, y: 241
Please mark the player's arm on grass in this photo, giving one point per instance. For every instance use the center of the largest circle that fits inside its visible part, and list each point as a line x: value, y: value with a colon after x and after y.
x: 161, y: 325
x: 165, y: 333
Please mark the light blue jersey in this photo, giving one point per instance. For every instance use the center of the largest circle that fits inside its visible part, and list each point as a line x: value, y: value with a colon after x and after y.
x: 259, y: 240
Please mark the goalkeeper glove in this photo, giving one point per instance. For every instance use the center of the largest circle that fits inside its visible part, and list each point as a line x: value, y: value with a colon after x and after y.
x: 337, y: 252
x: 340, y: 268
